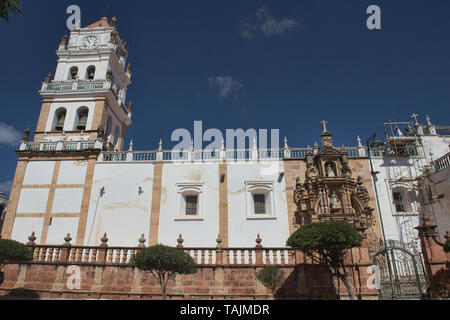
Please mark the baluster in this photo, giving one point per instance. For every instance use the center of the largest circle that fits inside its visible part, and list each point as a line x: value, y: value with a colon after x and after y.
x: 73, y: 252
x: 203, y: 256
x: 243, y: 257
x: 87, y: 255
x: 125, y: 256
x: 210, y: 256
x: 44, y: 254
x: 250, y: 257
x: 283, y: 259
x: 94, y: 256
x: 267, y: 256
x: 50, y: 255
x: 235, y: 257
x: 79, y: 255
x: 196, y: 256
x: 37, y: 251
x: 118, y: 253
x: 57, y: 254
x: 110, y: 256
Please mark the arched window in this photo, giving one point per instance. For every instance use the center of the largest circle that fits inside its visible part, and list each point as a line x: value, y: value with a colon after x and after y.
x: 82, y: 117
x: 59, y: 120
x: 73, y: 73
x: 90, y: 73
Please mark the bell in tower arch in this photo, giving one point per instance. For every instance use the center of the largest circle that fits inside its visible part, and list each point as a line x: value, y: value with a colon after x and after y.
x: 60, y: 119
x: 82, y: 119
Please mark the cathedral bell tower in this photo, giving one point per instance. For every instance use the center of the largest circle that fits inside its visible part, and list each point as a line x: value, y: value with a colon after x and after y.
x: 86, y: 97
x: 83, y: 113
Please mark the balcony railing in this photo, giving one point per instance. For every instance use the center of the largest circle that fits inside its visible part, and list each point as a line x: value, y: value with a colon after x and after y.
x: 216, y: 155
x: 61, y: 146
x: 442, y: 163
x: 121, y: 256
x: 74, y: 85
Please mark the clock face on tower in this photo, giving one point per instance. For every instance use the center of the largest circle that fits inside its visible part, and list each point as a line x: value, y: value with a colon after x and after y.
x: 89, y: 42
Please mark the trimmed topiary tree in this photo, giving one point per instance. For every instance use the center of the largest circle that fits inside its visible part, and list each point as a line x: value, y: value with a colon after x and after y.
x: 164, y: 263
x: 272, y: 278
x: 327, y: 243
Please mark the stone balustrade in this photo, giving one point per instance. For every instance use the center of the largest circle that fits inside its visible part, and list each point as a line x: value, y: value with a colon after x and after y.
x: 121, y: 256
x: 442, y: 163
x: 210, y: 155
x: 52, y: 146
x: 75, y: 85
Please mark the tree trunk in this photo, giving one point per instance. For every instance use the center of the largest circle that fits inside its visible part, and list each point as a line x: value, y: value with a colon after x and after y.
x: 347, y: 284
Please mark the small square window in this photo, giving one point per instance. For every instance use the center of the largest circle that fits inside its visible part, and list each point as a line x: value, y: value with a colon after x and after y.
x: 191, y: 205
x: 260, y: 203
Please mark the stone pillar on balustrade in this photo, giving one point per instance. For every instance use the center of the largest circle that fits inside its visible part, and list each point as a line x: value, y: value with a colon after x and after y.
x: 103, y: 250
x: 435, y: 259
x: 65, y: 250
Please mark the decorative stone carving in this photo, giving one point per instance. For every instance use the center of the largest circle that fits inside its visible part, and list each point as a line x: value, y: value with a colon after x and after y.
x: 329, y: 192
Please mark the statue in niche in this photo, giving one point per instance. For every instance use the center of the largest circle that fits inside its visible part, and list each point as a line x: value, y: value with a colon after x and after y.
x: 330, y: 171
x: 335, y: 202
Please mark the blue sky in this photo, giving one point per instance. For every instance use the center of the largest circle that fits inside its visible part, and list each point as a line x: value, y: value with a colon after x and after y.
x: 245, y: 64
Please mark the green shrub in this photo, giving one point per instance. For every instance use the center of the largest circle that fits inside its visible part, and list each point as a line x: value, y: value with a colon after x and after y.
x: 13, y: 252
x: 164, y: 263
x: 272, y: 278
x: 447, y: 246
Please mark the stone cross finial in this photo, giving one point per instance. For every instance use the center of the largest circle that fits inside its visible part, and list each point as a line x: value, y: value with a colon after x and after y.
x: 142, y: 241
x: 67, y: 240
x: 223, y: 145
x: 160, y: 145
x: 32, y: 239
x: 429, y: 121
x: 414, y: 116
x: 258, y: 241
x: 324, y: 122
x: 180, y: 241
x: 104, y: 241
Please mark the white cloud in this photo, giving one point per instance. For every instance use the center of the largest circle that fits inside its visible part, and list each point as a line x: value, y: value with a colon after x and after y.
x: 9, y: 135
x: 267, y: 25
x: 5, y: 187
x: 224, y: 87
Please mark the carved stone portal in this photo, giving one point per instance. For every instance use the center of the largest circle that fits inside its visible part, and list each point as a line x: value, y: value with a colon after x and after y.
x: 329, y: 192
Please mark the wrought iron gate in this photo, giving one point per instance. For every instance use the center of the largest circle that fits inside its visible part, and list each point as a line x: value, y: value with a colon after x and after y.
x: 404, y: 276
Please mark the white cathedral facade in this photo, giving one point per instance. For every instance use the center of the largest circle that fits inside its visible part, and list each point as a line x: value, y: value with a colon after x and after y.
x: 75, y: 177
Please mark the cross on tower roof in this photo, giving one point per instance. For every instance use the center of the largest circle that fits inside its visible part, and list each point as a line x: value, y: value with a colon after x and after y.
x: 415, y: 117
x: 324, y: 122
